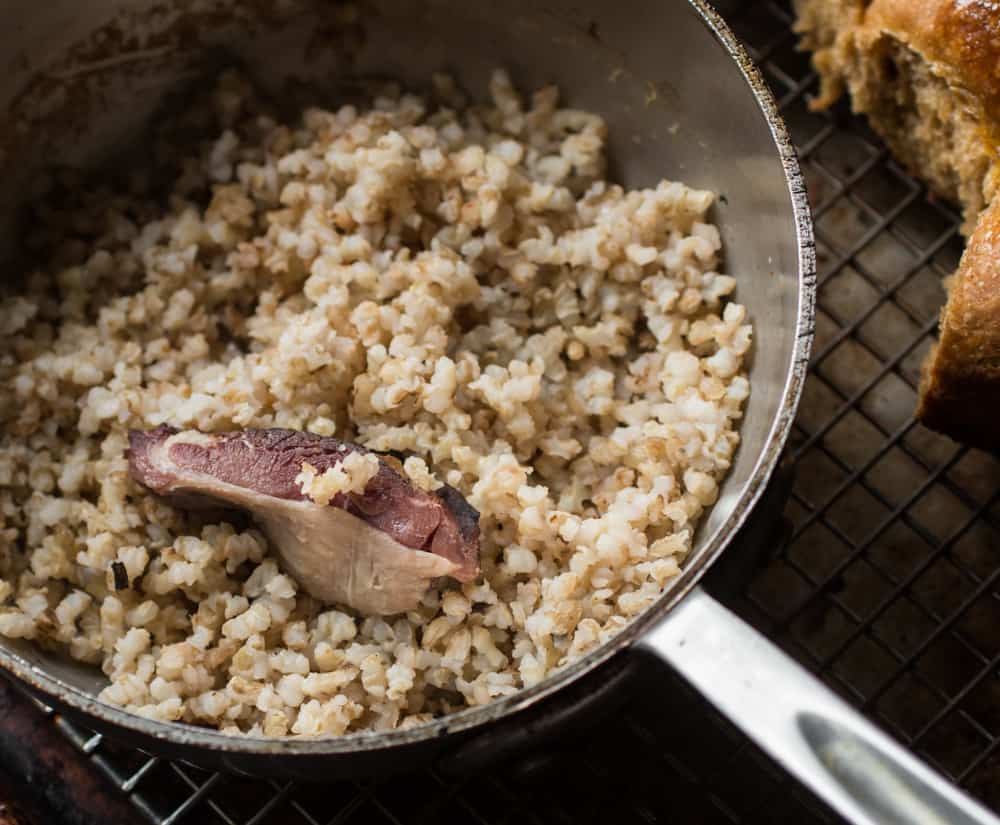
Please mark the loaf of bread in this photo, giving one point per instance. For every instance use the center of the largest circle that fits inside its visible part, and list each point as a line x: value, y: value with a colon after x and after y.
x: 927, y: 75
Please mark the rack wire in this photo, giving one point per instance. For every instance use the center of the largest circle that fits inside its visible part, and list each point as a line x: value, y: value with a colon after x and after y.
x: 887, y: 589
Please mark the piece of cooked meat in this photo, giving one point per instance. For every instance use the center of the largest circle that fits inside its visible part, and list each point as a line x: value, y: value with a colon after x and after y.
x: 927, y: 75
x: 375, y: 550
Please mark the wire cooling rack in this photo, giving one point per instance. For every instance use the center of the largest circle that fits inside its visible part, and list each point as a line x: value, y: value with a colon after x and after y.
x: 888, y: 587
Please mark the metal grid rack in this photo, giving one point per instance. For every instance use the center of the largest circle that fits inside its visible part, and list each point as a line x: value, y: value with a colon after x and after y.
x: 888, y: 587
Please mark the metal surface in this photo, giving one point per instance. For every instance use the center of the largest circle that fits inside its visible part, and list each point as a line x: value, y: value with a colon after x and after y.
x: 715, y: 127
x: 816, y: 736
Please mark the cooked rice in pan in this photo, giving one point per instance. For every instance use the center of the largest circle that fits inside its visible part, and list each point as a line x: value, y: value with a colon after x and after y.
x: 456, y: 281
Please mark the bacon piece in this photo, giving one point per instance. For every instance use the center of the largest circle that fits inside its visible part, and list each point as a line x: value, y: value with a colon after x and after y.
x: 376, y: 551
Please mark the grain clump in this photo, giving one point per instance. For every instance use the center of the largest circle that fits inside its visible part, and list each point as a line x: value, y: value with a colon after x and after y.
x: 455, y: 283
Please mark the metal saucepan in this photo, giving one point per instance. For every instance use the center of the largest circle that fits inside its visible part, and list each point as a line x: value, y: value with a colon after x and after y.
x: 682, y: 100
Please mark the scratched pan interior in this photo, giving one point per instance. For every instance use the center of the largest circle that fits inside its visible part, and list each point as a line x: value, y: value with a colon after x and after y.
x: 81, y: 82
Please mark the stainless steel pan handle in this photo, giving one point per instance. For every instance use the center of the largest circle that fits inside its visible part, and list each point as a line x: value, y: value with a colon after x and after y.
x: 846, y: 760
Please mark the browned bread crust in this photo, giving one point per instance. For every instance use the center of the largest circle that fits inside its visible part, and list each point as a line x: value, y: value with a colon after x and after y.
x: 959, y: 38
x: 960, y: 392
x: 927, y: 74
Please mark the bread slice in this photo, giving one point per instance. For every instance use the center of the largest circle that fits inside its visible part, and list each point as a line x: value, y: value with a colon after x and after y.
x: 960, y: 391
x: 927, y: 75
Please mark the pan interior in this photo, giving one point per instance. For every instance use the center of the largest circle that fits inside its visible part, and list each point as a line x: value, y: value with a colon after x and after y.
x: 83, y: 82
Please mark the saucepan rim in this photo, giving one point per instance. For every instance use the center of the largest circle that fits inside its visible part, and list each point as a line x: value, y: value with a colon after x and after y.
x: 45, y: 685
